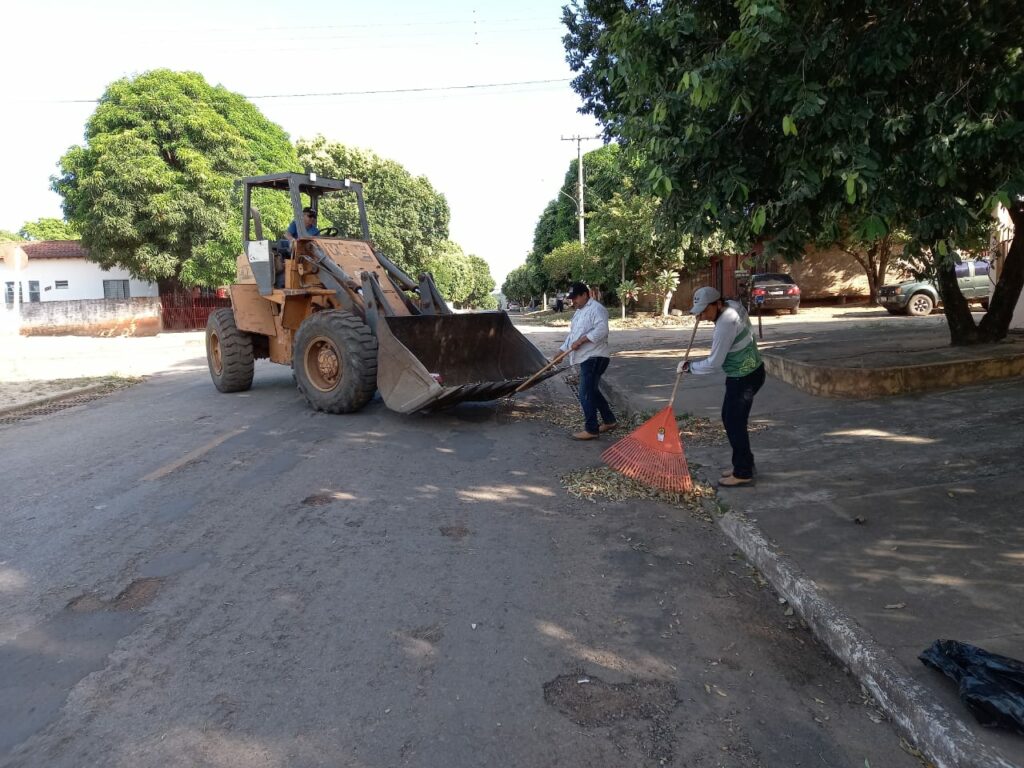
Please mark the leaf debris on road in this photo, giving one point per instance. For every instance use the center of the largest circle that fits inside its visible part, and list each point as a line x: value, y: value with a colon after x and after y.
x: 602, y: 482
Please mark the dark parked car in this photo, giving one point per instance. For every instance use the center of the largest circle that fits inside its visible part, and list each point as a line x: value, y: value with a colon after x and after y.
x: 771, y: 290
x: 920, y: 297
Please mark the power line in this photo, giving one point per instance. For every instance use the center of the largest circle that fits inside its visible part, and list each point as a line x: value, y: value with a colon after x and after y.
x: 359, y: 93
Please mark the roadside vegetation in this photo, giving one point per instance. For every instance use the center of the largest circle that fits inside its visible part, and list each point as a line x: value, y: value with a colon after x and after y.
x: 765, y: 128
x: 151, y: 189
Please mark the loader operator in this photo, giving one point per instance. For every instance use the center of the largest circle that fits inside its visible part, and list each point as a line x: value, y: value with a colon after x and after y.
x: 308, y: 221
x: 292, y: 233
x: 734, y: 350
x: 587, y: 344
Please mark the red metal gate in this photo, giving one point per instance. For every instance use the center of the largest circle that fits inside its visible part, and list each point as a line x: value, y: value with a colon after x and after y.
x: 188, y: 312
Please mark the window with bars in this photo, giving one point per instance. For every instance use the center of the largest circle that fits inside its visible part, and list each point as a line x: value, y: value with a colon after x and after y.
x: 116, y: 289
x: 33, y: 292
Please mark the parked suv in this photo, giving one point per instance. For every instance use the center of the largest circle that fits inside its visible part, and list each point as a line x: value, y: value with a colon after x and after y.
x: 920, y: 297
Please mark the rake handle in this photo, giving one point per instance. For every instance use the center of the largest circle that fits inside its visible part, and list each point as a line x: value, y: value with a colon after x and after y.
x: 686, y: 357
x: 555, y: 361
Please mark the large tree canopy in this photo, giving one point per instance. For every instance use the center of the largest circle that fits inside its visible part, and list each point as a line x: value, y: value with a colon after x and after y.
x: 151, y: 189
x: 408, y: 217
x: 794, y: 121
x: 48, y: 229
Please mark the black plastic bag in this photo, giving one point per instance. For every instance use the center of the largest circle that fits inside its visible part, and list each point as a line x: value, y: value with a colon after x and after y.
x: 991, y: 686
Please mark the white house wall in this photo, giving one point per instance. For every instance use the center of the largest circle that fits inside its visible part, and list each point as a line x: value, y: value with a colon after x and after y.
x: 84, y: 278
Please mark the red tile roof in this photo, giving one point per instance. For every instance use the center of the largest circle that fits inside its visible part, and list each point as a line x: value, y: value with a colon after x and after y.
x: 54, y: 249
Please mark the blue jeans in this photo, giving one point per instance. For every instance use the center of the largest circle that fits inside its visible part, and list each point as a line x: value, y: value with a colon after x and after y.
x: 739, y: 398
x: 591, y: 398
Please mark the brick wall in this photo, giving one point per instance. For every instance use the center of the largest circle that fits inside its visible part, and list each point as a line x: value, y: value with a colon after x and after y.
x: 92, y: 317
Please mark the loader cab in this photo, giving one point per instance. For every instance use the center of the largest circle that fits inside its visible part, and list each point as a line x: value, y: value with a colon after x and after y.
x: 268, y: 255
x: 300, y: 186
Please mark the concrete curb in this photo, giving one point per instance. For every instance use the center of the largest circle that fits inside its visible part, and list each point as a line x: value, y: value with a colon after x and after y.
x: 940, y: 735
x: 865, y: 383
x: 51, y: 398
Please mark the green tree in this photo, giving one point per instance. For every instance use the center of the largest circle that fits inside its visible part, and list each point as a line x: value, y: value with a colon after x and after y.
x: 564, y: 263
x: 627, y: 291
x: 151, y: 189
x: 408, y: 217
x: 602, y: 175
x: 453, y: 272
x: 629, y: 239
x: 483, y: 285
x: 791, y: 122
x: 603, y: 172
x: 10, y: 237
x: 48, y: 229
x: 520, y: 284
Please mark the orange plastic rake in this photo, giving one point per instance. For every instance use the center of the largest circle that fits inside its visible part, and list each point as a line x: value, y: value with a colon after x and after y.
x: 653, y: 453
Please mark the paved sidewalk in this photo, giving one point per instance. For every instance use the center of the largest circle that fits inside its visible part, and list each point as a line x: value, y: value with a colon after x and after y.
x: 902, y: 513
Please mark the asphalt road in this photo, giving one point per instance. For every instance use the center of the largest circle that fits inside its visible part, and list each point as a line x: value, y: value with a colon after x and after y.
x: 196, y: 579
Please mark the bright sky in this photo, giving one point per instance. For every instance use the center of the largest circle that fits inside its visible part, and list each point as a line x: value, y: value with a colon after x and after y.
x: 495, y: 153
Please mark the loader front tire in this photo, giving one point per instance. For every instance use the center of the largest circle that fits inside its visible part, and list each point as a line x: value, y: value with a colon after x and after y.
x: 228, y: 352
x: 335, y: 361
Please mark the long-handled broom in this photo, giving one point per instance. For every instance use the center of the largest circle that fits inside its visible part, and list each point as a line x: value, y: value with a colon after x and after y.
x: 653, y: 453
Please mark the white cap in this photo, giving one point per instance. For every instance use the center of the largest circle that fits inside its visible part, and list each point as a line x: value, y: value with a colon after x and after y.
x: 702, y: 298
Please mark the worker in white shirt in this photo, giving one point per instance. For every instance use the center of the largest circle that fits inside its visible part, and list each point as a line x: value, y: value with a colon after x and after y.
x: 733, y: 350
x: 587, y: 344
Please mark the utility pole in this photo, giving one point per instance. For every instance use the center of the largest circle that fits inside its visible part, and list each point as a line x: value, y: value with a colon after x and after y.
x: 579, y: 182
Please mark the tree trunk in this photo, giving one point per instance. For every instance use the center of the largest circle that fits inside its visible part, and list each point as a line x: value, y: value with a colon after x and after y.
x: 868, y: 265
x: 872, y: 272
x: 962, y: 330
x: 170, y: 286
x: 996, y: 322
x: 881, y: 267
x: 665, y: 303
x: 872, y: 284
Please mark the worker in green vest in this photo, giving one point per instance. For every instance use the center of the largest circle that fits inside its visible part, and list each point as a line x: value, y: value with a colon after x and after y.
x: 733, y: 350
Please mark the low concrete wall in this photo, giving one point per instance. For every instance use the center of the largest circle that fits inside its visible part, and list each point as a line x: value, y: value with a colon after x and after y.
x: 868, y: 383
x: 92, y: 317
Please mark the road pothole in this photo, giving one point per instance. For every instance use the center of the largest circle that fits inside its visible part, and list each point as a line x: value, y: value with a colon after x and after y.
x: 641, y: 708
x: 324, y: 498
x: 457, y: 532
x: 318, y: 500
x: 136, y: 595
x: 431, y: 633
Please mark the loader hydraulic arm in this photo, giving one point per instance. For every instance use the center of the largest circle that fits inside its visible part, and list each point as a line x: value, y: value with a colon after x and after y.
x: 335, y: 278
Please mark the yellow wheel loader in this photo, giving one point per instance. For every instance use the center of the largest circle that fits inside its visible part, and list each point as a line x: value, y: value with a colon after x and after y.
x: 350, y: 322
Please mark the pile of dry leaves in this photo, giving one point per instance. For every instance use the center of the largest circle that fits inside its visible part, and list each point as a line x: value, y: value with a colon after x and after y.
x: 595, y: 483
x: 697, y: 430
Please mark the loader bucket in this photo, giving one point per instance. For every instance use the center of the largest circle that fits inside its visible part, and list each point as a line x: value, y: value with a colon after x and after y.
x: 435, y: 361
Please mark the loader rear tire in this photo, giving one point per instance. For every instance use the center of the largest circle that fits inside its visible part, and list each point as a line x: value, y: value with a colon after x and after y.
x: 228, y: 352
x: 335, y: 361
